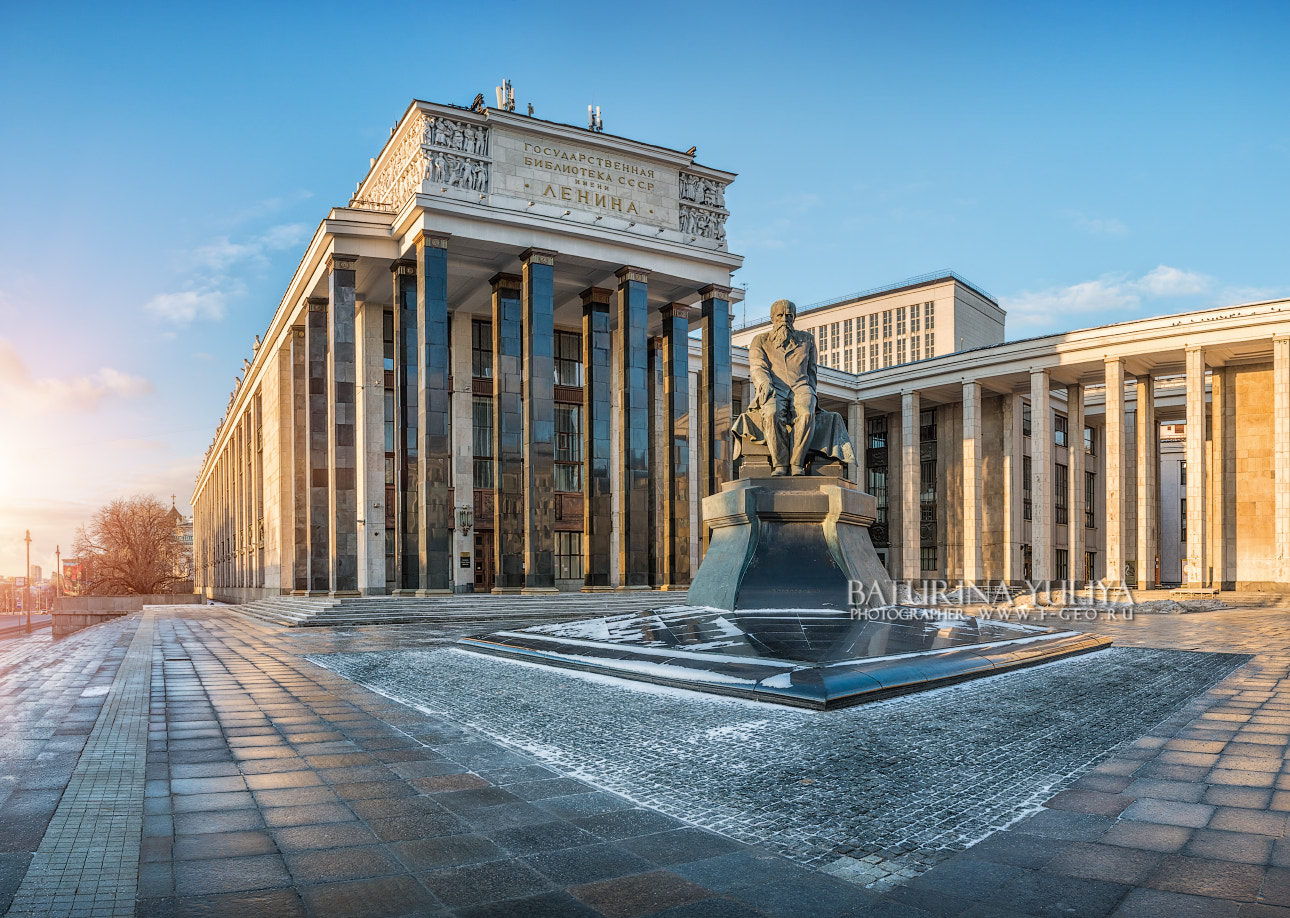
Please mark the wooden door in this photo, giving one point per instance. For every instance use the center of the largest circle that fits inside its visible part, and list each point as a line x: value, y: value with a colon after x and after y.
x: 483, y: 562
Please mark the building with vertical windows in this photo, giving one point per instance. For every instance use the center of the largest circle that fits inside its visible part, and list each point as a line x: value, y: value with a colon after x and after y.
x: 507, y: 364
x: 911, y: 320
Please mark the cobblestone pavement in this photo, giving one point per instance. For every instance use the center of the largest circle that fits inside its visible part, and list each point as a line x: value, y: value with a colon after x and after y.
x: 273, y: 786
x: 876, y: 791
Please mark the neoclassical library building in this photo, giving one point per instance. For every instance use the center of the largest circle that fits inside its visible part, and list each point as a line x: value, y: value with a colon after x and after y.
x: 508, y: 364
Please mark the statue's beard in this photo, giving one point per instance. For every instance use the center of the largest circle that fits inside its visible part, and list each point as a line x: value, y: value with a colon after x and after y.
x: 780, y: 335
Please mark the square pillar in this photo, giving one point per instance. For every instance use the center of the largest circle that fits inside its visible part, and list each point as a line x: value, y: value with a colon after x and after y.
x: 369, y: 362
x: 855, y: 428
x: 598, y: 516
x: 675, y: 484
x: 1075, y: 480
x: 633, y: 408
x: 1116, y: 535
x: 1220, y: 430
x: 654, y: 383
x: 1280, y: 455
x: 407, y: 444
x: 342, y: 434
x: 715, y: 393
x: 317, y: 425
x: 1013, y: 462
x: 972, y: 517
x: 1041, y: 476
x: 461, y: 352
x: 1148, y: 441
x: 508, y: 435
x: 434, y: 403
x: 1196, y: 571
x: 910, y: 517
x: 539, y: 419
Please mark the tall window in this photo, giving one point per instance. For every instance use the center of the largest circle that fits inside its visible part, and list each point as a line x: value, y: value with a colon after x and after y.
x: 482, y: 439
x: 568, y: 447
x: 886, y: 353
x: 1061, y: 499
x: 846, y: 360
x: 915, y: 353
x: 481, y: 350
x: 877, y: 431
x: 833, y: 335
x: 914, y: 312
x: 886, y: 323
x: 1088, y: 440
x: 927, y: 558
x: 387, y: 340
x: 900, y: 350
x: 1063, y: 564
x: 873, y: 356
x: 900, y: 321
x: 1025, y: 420
x: 1025, y: 488
x: 846, y: 333
x: 876, y: 475
x: 568, y: 358
x: 568, y: 556
x: 929, y: 316
x: 929, y: 344
x: 1090, y: 493
x: 1061, y: 433
x: 860, y: 330
x: 873, y: 327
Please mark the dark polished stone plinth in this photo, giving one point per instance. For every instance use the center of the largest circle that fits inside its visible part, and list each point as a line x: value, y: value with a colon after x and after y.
x: 788, y: 543
x: 821, y: 660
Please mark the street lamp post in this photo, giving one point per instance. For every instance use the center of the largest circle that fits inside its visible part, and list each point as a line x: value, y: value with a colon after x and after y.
x: 26, y: 583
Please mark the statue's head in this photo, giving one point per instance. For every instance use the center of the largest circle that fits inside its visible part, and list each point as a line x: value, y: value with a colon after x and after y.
x: 782, y: 313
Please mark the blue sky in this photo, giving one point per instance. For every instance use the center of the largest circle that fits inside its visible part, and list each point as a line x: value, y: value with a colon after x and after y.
x: 164, y: 164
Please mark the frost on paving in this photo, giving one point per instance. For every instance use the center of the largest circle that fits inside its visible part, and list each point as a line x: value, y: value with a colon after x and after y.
x: 900, y: 782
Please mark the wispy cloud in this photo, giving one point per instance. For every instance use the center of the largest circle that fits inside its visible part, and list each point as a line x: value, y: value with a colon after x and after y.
x: 1098, y: 226
x: 26, y: 394
x: 213, y: 271
x: 1110, y: 298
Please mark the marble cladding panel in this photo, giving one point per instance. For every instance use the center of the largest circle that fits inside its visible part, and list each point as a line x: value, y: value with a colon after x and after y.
x: 596, y: 397
x: 539, y: 423
x: 508, y: 437
x: 407, y: 516
x: 435, y: 401
x: 634, y: 437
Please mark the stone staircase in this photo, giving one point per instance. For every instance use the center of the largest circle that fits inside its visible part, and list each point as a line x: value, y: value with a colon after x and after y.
x: 325, y: 611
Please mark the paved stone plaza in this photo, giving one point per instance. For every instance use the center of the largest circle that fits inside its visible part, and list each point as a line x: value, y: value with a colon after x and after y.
x: 1145, y: 780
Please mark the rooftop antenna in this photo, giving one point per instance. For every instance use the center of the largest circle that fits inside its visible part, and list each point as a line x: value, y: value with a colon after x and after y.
x: 506, y: 96
x: 593, y: 118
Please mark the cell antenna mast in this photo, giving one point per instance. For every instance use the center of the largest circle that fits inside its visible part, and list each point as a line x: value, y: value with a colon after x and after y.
x: 593, y: 118
x: 506, y: 96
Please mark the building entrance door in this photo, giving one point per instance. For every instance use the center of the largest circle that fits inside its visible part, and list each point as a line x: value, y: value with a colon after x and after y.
x: 483, y: 562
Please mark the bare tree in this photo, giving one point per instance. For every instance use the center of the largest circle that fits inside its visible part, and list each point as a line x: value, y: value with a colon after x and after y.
x: 131, y: 545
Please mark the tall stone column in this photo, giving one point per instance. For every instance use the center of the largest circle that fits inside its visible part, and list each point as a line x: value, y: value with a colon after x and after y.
x: 1148, y: 437
x: 1220, y: 430
x: 1013, y: 462
x: 1041, y: 476
x: 509, y: 525
x: 855, y: 428
x: 633, y: 408
x: 1196, y: 572
x: 434, y: 403
x: 299, y: 521
x: 598, y: 516
x: 369, y: 363
x: 657, y: 449
x: 1116, y: 536
x: 676, y: 439
x: 715, y: 394
x: 341, y: 454
x: 1075, y: 480
x: 539, y: 420
x: 910, y: 517
x: 1280, y: 455
x: 317, y: 422
x: 972, y: 517
x: 408, y: 549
